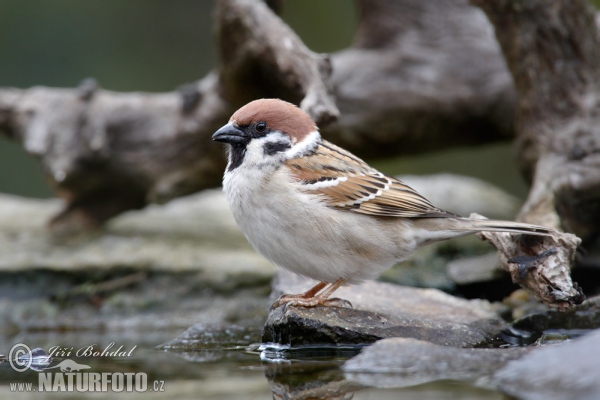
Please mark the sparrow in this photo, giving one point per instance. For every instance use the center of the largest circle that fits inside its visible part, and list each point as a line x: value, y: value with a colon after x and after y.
x: 315, y: 209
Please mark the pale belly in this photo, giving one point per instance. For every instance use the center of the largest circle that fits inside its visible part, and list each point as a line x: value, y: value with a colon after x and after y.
x: 305, y: 237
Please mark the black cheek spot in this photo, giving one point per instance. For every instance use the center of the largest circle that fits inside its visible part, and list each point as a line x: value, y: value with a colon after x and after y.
x: 271, y: 148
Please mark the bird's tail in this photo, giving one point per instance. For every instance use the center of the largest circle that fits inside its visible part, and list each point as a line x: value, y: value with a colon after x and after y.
x: 435, y: 229
x: 494, y: 225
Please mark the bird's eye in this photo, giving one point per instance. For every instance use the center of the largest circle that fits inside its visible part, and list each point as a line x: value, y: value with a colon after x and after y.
x: 261, y: 127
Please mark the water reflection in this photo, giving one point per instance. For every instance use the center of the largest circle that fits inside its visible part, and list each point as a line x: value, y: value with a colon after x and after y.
x: 319, y: 376
x: 230, y: 363
x: 308, y: 372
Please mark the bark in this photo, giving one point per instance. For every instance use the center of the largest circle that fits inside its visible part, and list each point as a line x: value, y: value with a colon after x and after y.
x: 552, y: 49
x: 553, y: 53
x: 420, y: 76
x: 540, y: 264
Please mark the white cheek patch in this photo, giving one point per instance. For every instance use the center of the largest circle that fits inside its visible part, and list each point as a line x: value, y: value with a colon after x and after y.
x: 308, y: 143
x: 255, y: 150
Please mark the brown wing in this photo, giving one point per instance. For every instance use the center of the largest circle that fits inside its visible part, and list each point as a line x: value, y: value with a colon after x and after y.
x: 348, y: 183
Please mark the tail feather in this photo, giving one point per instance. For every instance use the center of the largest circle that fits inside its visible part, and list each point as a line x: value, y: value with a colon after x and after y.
x: 493, y: 225
x: 436, y: 229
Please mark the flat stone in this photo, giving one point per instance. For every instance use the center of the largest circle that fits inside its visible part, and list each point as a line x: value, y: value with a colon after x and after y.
x: 400, y: 362
x: 211, y: 342
x: 565, y: 371
x: 381, y: 310
x: 550, y: 322
x: 195, y: 233
x: 164, y: 267
x: 582, y: 316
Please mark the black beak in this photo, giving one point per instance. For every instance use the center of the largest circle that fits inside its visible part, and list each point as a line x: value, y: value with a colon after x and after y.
x: 230, y: 134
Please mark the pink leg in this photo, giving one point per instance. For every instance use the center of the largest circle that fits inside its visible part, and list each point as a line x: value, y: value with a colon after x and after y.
x: 311, y: 299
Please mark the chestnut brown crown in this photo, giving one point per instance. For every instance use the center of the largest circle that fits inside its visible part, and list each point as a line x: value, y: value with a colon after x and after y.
x: 278, y: 115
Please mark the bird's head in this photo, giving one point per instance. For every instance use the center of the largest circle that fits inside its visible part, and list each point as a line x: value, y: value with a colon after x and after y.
x: 268, y: 131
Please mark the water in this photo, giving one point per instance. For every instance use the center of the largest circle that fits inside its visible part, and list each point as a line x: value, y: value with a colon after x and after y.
x: 520, y: 337
x: 250, y: 371
x: 233, y: 366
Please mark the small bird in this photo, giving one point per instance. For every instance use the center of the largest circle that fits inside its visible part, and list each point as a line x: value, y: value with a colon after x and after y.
x: 317, y: 210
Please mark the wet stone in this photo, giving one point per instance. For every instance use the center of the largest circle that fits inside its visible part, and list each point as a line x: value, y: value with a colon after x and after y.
x: 565, y: 371
x: 164, y: 267
x: 401, y: 362
x: 210, y: 336
x: 203, y: 343
x: 381, y: 310
x: 539, y: 325
x: 583, y: 316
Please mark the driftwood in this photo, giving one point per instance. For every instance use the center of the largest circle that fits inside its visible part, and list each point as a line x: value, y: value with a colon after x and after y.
x: 552, y: 48
x: 408, y: 84
x: 540, y: 264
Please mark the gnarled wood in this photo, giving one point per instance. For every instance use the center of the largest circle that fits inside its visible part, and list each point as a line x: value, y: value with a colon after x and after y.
x: 408, y: 84
x: 552, y: 49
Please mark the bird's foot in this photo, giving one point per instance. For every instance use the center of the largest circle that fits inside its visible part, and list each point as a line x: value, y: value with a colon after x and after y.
x: 301, y: 301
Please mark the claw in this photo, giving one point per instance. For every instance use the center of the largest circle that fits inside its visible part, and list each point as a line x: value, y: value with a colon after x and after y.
x: 312, y: 299
x: 297, y: 300
x: 337, y: 302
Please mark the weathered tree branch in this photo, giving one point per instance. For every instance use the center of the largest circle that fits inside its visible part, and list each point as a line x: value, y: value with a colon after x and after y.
x: 553, y: 52
x: 262, y: 57
x: 408, y: 84
x: 421, y: 76
x: 110, y: 152
x: 540, y: 264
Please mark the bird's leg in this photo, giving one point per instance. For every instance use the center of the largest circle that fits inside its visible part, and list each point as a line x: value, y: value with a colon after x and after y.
x: 311, y: 299
x: 306, y: 295
x: 313, y: 290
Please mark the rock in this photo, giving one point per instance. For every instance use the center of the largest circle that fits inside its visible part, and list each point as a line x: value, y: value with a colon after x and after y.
x: 400, y: 362
x: 566, y: 371
x: 165, y: 267
x: 426, y: 267
x: 572, y: 323
x: 209, y: 342
x: 195, y: 233
x: 521, y: 303
x: 381, y: 310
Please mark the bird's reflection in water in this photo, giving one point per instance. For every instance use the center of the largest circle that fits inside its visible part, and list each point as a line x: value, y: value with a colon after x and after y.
x: 309, y: 372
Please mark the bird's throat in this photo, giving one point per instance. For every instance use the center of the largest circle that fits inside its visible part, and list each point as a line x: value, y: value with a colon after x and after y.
x: 237, y: 152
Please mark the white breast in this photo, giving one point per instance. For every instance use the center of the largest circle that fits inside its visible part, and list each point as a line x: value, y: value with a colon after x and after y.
x: 296, y: 231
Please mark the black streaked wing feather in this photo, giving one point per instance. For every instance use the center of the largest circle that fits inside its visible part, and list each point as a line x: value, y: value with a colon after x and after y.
x: 348, y: 183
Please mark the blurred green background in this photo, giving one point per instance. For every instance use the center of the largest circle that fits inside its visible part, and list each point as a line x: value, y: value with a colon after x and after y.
x: 157, y: 45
